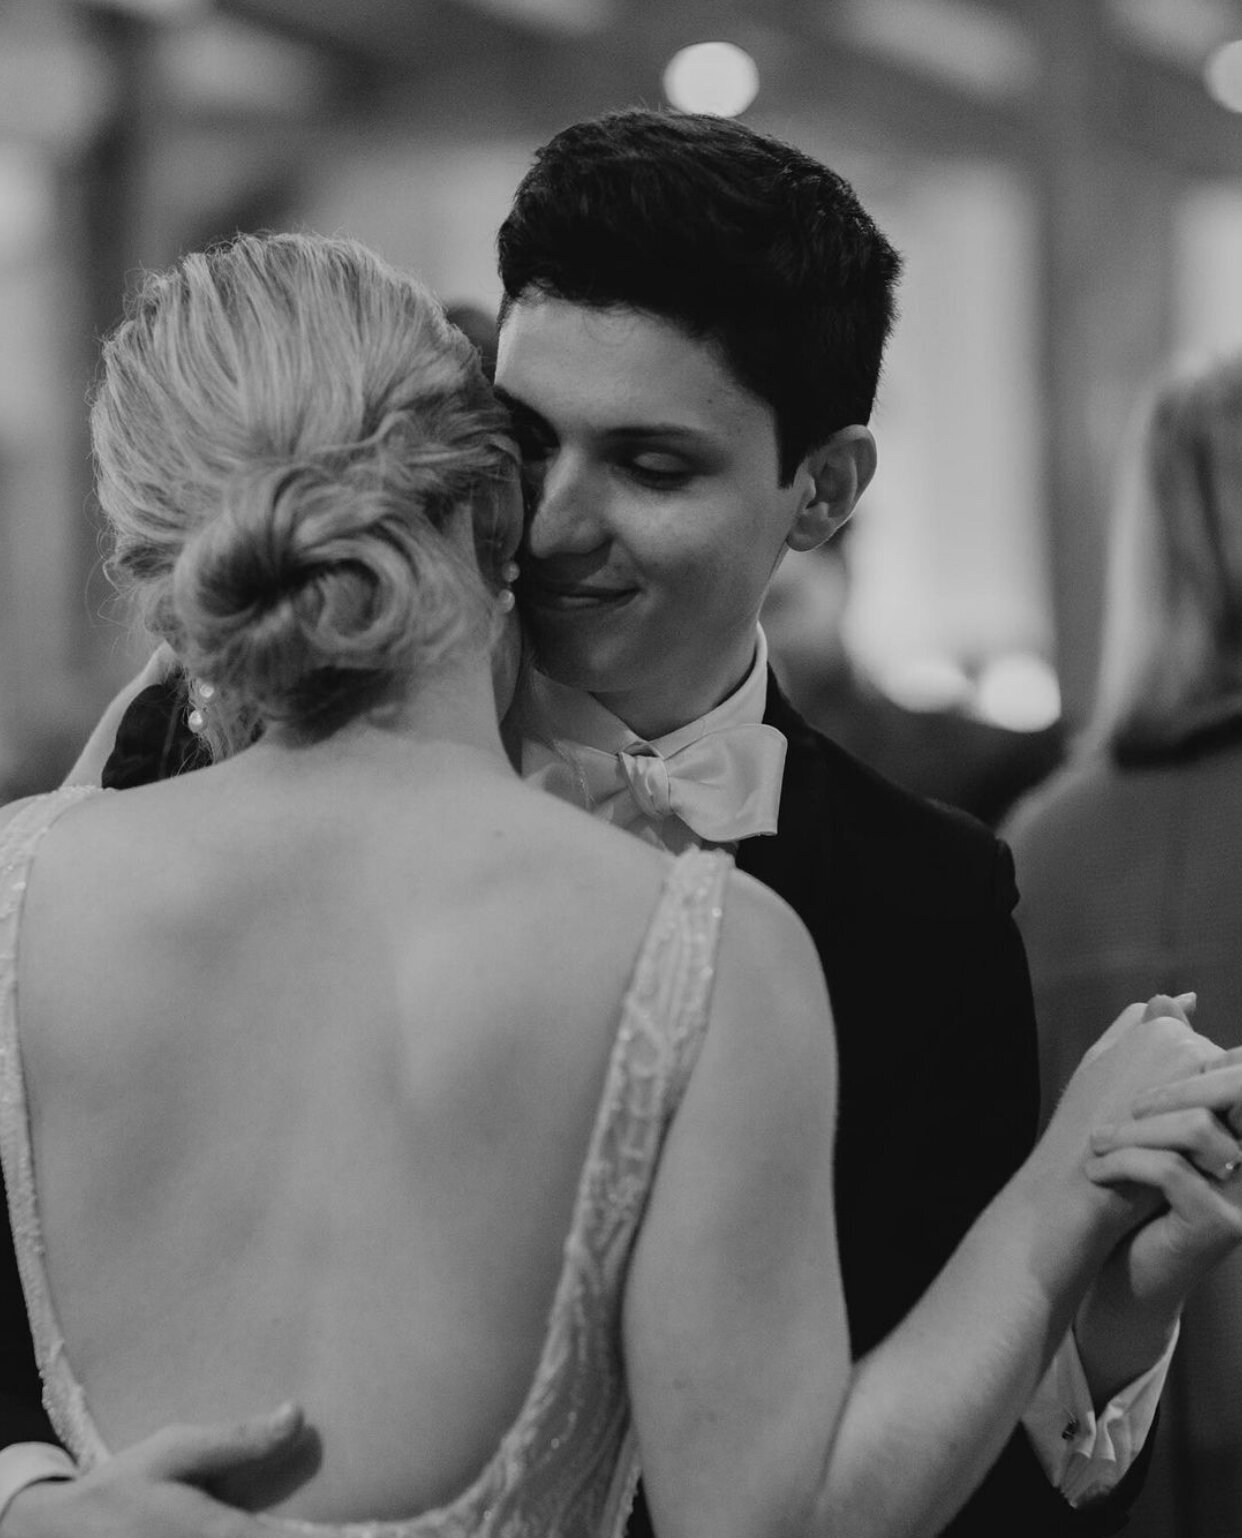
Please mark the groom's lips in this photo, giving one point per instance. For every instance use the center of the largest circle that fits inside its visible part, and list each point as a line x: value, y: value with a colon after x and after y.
x: 541, y: 593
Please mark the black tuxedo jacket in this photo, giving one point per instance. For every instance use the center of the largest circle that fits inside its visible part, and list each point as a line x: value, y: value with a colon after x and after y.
x: 910, y: 905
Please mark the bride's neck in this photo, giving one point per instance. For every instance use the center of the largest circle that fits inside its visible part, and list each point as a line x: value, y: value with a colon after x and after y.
x: 445, y: 717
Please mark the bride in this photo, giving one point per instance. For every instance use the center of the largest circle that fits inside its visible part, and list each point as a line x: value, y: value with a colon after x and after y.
x: 352, y: 1071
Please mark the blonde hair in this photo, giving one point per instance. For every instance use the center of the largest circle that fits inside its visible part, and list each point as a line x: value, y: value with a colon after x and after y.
x: 284, y: 427
x: 1171, y: 660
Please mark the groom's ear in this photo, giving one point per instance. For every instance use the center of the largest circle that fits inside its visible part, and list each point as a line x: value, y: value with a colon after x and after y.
x: 831, y: 479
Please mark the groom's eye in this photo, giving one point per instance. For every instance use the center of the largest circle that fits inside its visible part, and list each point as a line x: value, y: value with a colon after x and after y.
x: 660, y: 471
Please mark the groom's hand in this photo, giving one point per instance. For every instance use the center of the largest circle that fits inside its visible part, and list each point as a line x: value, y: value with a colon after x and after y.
x: 159, y: 1488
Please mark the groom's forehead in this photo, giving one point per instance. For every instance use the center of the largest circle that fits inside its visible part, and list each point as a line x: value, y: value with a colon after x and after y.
x: 561, y: 358
x: 580, y: 337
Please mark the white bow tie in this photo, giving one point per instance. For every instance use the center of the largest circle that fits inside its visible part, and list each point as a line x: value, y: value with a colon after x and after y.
x: 725, y: 785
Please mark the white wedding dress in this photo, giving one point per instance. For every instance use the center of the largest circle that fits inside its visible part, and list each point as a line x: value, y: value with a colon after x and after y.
x: 567, y: 1467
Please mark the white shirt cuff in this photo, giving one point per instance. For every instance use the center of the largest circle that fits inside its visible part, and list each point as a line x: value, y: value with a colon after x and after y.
x: 1086, y: 1455
x: 27, y: 1463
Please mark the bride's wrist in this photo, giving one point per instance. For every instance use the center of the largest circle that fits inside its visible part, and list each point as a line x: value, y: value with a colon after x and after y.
x: 1074, y: 1224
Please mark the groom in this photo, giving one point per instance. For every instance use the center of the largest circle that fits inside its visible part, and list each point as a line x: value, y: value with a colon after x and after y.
x: 691, y: 337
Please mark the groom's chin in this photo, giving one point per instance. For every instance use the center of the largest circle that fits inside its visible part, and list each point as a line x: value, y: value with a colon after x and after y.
x: 576, y: 668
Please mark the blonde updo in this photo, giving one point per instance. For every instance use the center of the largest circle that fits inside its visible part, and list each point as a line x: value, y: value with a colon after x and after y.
x: 284, y: 427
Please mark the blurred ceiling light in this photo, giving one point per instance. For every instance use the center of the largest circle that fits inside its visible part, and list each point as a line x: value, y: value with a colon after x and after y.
x: 1222, y: 74
x: 577, y: 16
x: 1182, y: 31
x: 719, y: 78
x: 977, y: 48
x: 926, y: 683
x: 1018, y: 691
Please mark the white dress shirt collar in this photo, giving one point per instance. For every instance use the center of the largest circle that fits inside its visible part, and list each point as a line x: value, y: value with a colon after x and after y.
x: 576, y: 748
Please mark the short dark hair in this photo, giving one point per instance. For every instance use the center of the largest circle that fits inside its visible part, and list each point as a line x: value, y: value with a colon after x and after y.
x: 734, y: 236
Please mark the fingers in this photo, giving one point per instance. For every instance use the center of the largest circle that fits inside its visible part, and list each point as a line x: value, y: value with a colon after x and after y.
x: 196, y: 1454
x: 116, y: 1501
x: 1201, y: 1206
x: 1217, y: 1087
x: 1161, y: 1005
x: 1194, y: 1132
x: 1166, y: 1021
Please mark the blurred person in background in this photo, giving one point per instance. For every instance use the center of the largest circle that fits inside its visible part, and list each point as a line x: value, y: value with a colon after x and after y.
x: 691, y: 339
x: 1130, y: 859
x: 944, y: 754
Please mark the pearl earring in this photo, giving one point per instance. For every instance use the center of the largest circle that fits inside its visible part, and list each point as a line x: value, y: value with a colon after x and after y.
x: 200, y: 694
x: 508, y: 575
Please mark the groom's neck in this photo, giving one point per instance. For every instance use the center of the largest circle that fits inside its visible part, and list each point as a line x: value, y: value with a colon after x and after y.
x: 656, y: 711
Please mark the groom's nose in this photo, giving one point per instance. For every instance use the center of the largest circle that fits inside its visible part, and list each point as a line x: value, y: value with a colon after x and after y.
x: 566, y: 505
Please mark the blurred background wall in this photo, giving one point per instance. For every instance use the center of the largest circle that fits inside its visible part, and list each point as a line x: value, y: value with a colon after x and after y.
x: 1065, y: 180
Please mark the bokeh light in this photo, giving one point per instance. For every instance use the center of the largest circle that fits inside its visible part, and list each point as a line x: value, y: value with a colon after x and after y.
x: 926, y: 683
x: 719, y: 78
x: 1222, y: 75
x: 1018, y: 691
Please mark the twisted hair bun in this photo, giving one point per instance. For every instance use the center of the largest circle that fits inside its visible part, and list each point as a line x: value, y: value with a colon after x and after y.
x: 284, y: 432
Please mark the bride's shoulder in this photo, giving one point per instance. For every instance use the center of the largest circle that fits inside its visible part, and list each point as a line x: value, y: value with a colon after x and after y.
x: 15, y: 809
x: 769, y: 977
x: 41, y: 810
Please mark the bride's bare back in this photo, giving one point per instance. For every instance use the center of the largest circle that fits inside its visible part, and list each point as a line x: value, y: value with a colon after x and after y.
x: 302, y: 1055
x: 315, y: 1046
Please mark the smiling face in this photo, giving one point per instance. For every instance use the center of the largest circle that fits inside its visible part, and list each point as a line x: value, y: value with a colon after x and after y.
x: 656, y: 511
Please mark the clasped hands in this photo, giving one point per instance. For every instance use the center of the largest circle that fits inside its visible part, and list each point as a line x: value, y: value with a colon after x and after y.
x: 1164, y: 1157
x: 1177, y: 1139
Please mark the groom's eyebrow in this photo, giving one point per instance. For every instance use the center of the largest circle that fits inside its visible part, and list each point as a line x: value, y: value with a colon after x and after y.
x: 676, y: 431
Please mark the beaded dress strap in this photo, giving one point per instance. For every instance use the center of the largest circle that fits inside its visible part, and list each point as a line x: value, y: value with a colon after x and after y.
x: 673, y: 978
x: 22, y: 832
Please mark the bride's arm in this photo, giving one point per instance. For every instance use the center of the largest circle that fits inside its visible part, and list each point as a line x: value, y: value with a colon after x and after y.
x: 749, y: 1415
x: 737, y: 1350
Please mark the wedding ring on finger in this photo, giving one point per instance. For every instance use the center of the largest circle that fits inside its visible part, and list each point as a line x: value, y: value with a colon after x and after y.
x: 1229, y: 1169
